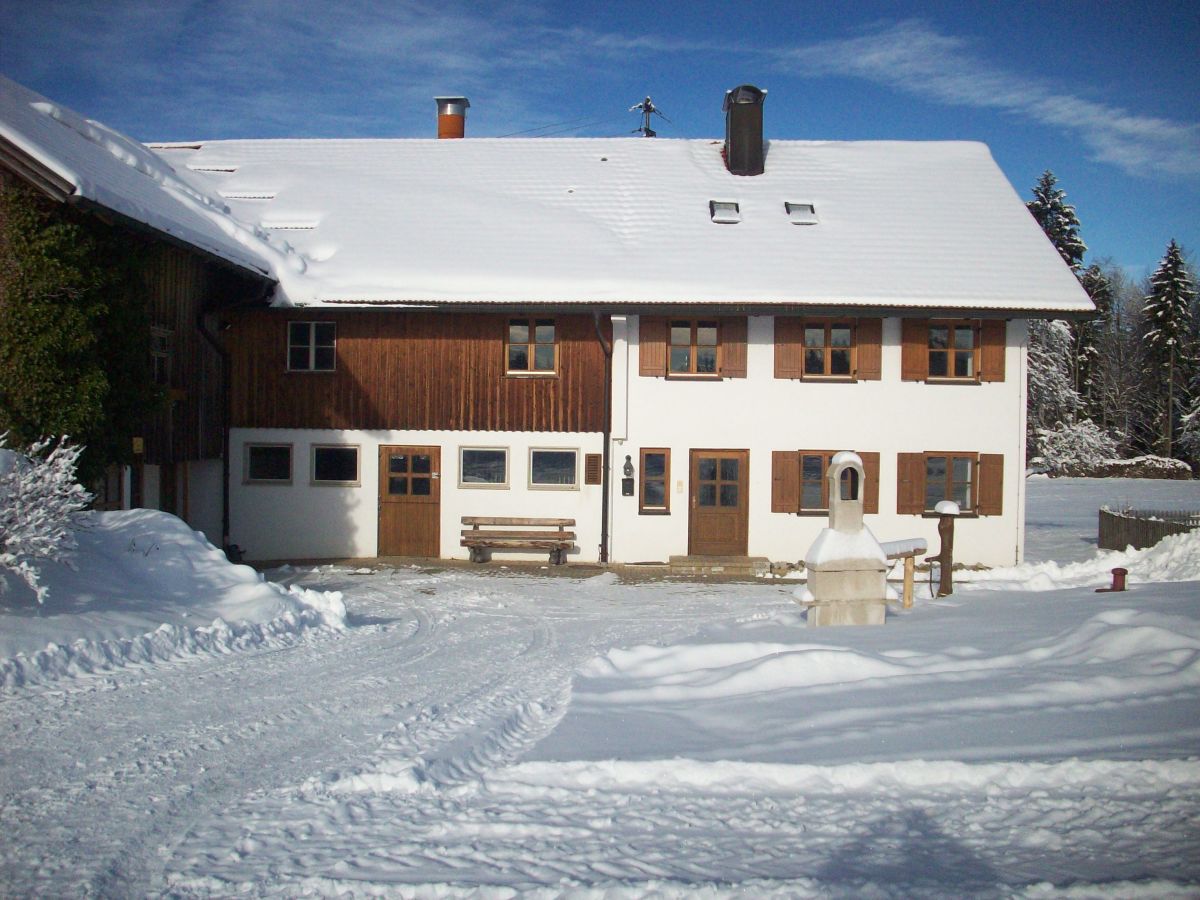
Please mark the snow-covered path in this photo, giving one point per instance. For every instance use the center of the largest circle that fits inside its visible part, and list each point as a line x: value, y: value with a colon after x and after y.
x: 446, y: 742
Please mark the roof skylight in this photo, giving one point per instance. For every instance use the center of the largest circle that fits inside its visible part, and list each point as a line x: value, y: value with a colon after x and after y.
x: 725, y: 212
x: 801, y: 213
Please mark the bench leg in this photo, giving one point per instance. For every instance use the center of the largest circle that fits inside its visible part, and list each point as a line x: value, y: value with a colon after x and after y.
x: 558, y: 557
x: 476, y: 555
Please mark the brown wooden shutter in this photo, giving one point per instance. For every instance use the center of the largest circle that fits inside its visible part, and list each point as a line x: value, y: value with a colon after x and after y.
x: 869, y: 337
x: 733, y: 346
x: 910, y: 483
x: 593, y: 464
x: 991, y: 484
x: 870, y: 461
x: 789, y: 347
x: 652, y: 345
x: 914, y: 349
x: 785, y: 481
x: 992, y: 341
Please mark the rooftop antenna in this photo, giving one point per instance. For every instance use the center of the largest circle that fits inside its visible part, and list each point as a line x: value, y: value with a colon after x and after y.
x: 646, y: 107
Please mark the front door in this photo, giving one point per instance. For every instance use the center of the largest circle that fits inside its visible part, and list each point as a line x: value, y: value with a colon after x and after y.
x: 720, y: 511
x: 409, y: 501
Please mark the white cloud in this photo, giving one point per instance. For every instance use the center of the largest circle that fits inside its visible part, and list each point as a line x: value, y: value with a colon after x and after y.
x: 912, y: 57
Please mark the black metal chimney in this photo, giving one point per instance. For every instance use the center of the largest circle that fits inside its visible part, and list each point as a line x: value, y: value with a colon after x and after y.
x: 743, y: 108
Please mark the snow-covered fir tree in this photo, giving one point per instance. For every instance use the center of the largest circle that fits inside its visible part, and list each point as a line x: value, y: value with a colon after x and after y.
x: 1088, y: 336
x: 1057, y: 218
x: 41, y: 505
x: 1168, y: 340
x: 1053, y: 397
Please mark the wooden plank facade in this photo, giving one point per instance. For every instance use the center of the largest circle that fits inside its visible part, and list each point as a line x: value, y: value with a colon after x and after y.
x: 414, y: 370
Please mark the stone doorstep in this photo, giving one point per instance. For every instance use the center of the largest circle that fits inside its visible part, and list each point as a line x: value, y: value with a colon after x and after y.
x: 719, y: 565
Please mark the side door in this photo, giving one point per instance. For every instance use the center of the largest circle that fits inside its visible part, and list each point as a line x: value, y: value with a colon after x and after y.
x: 719, y: 507
x: 410, y: 501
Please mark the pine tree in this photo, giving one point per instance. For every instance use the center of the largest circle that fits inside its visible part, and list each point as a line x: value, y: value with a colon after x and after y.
x: 1057, y: 219
x: 1088, y: 335
x: 1053, y: 396
x: 1169, y: 346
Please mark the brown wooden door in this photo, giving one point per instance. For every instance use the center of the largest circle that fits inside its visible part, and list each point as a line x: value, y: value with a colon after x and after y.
x: 720, y: 512
x: 409, y: 501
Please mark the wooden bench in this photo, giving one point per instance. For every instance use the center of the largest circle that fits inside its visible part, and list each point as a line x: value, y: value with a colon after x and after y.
x: 489, y: 533
x: 906, y: 550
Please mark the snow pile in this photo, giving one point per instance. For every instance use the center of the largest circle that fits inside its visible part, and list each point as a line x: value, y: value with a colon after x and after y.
x: 1174, y: 558
x: 144, y: 587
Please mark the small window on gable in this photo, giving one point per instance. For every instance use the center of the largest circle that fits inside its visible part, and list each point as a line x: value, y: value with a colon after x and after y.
x: 531, y: 346
x: 801, y: 213
x: 268, y: 463
x: 724, y: 212
x: 311, y: 346
x: 161, y: 340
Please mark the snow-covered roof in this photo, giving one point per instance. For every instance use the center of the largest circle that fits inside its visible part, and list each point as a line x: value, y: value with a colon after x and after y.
x: 117, y: 173
x: 629, y: 220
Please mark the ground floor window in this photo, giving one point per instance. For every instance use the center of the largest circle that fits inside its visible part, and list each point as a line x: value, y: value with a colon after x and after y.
x: 483, y: 467
x: 268, y: 463
x: 975, y: 481
x: 553, y: 468
x: 654, y: 497
x: 950, y: 478
x: 337, y: 464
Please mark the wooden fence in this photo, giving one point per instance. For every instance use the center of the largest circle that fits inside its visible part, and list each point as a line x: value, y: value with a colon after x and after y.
x: 1138, y: 528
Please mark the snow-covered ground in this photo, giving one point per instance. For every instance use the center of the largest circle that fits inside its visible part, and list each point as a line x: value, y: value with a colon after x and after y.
x: 481, y: 732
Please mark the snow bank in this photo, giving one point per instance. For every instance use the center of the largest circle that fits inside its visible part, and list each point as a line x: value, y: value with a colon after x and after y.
x: 1175, y: 558
x: 144, y: 587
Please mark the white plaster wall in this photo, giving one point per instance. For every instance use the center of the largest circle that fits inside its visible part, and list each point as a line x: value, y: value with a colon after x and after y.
x: 301, y: 520
x: 204, y: 498
x: 760, y: 413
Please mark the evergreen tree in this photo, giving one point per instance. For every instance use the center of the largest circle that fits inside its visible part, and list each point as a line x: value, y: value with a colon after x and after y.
x: 74, y: 330
x: 1058, y: 220
x: 1168, y: 341
x: 1088, y: 335
x: 1053, y: 395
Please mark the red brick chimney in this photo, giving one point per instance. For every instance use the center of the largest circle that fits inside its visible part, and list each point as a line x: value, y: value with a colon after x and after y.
x: 452, y: 116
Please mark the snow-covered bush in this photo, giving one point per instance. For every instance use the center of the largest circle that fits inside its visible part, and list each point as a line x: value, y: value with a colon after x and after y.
x: 1073, y: 446
x: 41, y: 505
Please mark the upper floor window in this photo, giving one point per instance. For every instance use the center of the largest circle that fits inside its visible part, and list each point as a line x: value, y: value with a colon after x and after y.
x: 828, y: 347
x: 160, y: 354
x: 311, y: 346
x: 953, y: 349
x: 531, y: 346
x: 957, y: 350
x: 693, y: 349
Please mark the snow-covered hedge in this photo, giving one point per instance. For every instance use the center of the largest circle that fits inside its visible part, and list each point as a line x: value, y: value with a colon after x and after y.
x: 1073, y: 446
x: 1138, y: 467
x: 41, y: 506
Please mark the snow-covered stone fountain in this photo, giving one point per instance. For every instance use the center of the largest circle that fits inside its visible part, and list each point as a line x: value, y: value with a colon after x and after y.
x: 847, y: 568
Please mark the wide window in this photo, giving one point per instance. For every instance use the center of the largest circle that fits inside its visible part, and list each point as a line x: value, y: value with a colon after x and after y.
x: 798, y: 483
x: 553, y: 468
x: 827, y: 348
x: 335, y: 465
x: 483, y: 467
x: 654, y: 497
x: 953, y: 350
x: 268, y: 463
x: 530, y: 347
x: 311, y: 346
x: 950, y: 478
x: 693, y: 347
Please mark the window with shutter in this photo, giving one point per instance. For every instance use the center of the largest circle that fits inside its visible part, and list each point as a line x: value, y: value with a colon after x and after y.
x: 828, y: 348
x: 952, y: 350
x: 652, y: 345
x: 798, y: 482
x: 975, y: 481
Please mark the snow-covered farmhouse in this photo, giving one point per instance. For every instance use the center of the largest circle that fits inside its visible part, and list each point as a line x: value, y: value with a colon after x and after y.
x: 662, y: 340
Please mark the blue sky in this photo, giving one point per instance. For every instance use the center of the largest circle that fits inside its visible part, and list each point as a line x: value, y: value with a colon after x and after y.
x: 1107, y: 95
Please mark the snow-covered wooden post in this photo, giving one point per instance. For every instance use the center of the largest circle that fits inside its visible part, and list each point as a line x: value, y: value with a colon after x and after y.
x: 847, y: 567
